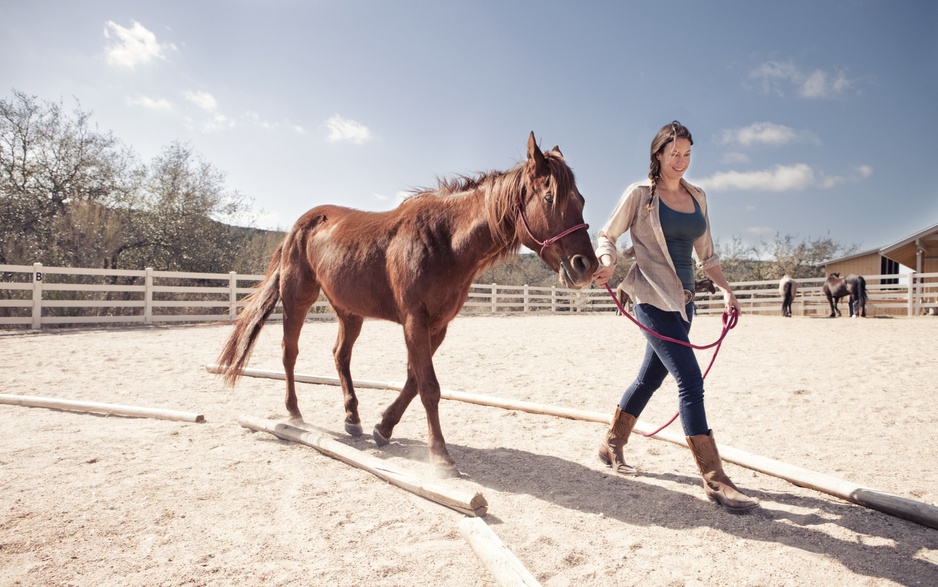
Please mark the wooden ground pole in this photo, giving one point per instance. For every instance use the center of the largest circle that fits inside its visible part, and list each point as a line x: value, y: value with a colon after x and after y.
x: 108, y: 409
x: 467, y: 502
x: 894, y: 505
x: 504, y: 566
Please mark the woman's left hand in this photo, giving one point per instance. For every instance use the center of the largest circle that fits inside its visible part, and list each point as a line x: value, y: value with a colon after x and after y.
x: 730, y: 302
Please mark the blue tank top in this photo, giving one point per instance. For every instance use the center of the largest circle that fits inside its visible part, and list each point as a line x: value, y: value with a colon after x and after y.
x: 681, y: 229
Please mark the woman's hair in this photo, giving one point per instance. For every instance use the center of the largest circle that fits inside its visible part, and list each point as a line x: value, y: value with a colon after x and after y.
x: 667, y: 134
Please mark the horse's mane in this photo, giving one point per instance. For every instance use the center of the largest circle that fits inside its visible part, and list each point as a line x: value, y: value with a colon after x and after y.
x: 503, y: 189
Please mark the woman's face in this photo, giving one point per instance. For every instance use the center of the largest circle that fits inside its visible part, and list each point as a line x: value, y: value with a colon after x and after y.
x: 674, y: 159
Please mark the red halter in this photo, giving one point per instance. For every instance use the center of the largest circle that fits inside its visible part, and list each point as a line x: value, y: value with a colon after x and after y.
x: 551, y: 240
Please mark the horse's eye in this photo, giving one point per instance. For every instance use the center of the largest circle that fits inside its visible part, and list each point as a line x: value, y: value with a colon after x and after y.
x: 549, y: 197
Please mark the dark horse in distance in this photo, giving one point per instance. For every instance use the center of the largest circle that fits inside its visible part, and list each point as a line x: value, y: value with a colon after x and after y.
x: 414, y: 266
x: 788, y: 287
x: 854, y: 286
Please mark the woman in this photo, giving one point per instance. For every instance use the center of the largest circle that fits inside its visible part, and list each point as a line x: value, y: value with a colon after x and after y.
x: 667, y: 221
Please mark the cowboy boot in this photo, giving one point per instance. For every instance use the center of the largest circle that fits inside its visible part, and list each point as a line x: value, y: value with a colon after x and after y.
x: 610, y: 451
x: 717, y: 485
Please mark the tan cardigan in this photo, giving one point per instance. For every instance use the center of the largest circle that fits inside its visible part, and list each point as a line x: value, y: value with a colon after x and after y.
x: 652, y: 279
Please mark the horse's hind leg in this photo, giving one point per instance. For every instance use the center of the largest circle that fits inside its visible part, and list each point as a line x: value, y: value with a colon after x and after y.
x: 297, y: 296
x: 350, y: 326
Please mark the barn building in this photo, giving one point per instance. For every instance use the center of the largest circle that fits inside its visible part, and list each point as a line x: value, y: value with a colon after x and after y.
x: 918, y: 252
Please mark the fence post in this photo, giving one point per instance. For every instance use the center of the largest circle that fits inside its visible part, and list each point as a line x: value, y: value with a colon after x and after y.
x: 37, y: 296
x: 911, y: 295
x: 494, y: 304
x: 148, y: 296
x: 553, y: 299
x: 232, y: 295
x: 526, y: 304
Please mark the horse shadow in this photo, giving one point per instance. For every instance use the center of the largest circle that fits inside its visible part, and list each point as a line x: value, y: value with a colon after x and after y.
x: 636, y: 501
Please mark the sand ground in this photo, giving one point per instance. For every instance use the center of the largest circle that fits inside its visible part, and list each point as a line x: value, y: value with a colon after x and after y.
x: 105, y: 500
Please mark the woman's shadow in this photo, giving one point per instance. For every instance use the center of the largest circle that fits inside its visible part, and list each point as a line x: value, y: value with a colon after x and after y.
x: 634, y: 501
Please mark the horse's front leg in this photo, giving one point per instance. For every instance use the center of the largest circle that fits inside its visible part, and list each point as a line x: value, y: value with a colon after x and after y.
x: 429, y: 390
x: 350, y: 326
x: 834, y: 311
x: 392, y: 416
x: 421, y: 345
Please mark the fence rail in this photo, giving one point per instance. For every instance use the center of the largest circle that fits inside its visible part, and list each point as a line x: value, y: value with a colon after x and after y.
x: 36, y: 296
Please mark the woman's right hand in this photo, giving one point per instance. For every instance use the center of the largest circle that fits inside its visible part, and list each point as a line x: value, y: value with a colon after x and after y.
x: 602, y: 274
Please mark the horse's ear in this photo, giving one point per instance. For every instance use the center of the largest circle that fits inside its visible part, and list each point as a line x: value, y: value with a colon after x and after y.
x: 557, y: 153
x: 535, y: 156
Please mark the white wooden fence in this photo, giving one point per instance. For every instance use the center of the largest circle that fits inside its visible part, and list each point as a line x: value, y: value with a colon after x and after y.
x: 887, y: 295
x: 36, y: 296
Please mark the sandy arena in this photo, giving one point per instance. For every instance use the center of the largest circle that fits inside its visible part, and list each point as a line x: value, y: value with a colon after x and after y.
x: 93, y: 500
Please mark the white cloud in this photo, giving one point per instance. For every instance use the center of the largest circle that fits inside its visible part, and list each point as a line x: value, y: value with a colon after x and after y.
x: 133, y: 46
x: 343, y: 129
x: 778, y: 179
x: 759, y: 230
x: 820, y: 84
x: 779, y: 78
x: 150, y: 103
x: 253, y: 118
x: 863, y: 171
x: 734, y: 157
x: 390, y: 202
x: 781, y: 178
x: 217, y: 123
x: 860, y: 172
x: 766, y: 134
x: 203, y: 100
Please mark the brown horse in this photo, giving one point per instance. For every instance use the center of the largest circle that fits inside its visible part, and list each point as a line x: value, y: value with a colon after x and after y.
x: 854, y: 286
x: 414, y: 266
x: 787, y: 287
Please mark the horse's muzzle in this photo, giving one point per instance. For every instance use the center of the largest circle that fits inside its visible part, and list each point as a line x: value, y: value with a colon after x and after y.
x: 577, y: 271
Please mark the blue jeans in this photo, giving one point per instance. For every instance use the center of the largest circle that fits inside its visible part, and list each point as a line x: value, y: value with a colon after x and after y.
x: 663, y: 357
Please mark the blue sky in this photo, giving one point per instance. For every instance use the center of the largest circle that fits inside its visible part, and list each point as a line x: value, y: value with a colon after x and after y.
x: 810, y: 118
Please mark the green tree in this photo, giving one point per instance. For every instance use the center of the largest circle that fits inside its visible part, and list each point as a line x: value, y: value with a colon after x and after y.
x: 182, y: 218
x: 59, y: 177
x: 799, y: 259
x: 737, y: 259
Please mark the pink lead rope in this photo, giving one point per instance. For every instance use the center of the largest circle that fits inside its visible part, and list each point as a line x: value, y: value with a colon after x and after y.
x: 730, y: 320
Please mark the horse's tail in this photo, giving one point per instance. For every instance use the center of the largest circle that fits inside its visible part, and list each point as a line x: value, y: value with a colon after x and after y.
x: 259, y: 305
x: 861, y: 290
x: 789, y: 292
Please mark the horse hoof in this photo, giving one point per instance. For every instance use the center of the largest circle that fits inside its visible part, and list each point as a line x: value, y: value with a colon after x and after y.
x: 445, y: 472
x: 379, y: 439
x: 353, y: 429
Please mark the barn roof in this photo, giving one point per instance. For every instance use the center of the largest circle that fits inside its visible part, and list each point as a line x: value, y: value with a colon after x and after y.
x: 847, y: 257
x: 904, y: 251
